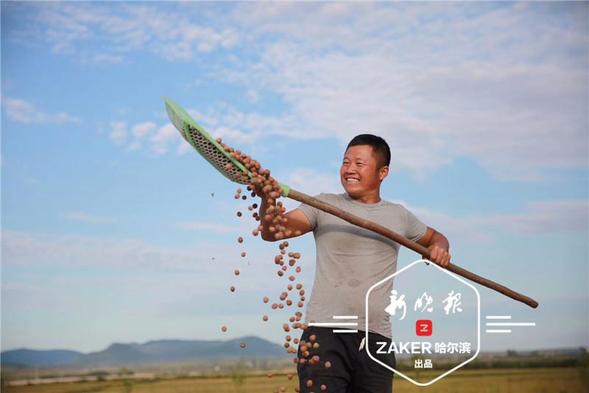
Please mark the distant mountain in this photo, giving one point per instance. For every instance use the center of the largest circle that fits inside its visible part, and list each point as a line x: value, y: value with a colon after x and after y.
x: 160, y: 351
x: 34, y: 358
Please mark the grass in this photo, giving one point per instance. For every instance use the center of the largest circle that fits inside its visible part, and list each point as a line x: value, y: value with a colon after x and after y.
x: 531, y: 380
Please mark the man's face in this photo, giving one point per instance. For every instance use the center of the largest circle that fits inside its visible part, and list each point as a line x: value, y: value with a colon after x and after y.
x: 361, y: 171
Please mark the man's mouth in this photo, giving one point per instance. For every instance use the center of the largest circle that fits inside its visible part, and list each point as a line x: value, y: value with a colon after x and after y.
x: 352, y: 180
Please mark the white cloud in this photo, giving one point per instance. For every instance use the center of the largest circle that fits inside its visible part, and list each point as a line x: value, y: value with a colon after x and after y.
x: 313, y: 182
x: 253, y: 95
x: 101, y: 58
x: 164, y: 136
x: 22, y: 111
x: 239, y: 127
x: 159, y: 139
x: 504, y: 84
x: 139, y: 132
x: 118, y: 133
x: 29, y: 249
x: 88, y: 218
x: 436, y: 80
x: 527, y: 119
x: 552, y: 216
x: 183, y: 148
x: 221, y: 121
x: 119, y: 28
x: 466, y: 228
x: 209, y: 264
x: 142, y: 129
x: 310, y: 182
x: 544, y: 217
x: 515, y: 122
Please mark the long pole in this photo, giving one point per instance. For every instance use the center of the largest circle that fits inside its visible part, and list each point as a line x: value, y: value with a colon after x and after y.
x: 418, y: 248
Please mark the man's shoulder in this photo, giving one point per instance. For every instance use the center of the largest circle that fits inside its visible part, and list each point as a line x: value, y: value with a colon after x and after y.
x: 395, y: 205
x: 343, y: 198
x: 328, y: 196
x: 332, y: 197
x: 396, y: 208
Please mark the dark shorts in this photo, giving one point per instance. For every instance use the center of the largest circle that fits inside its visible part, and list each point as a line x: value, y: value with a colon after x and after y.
x: 352, y: 370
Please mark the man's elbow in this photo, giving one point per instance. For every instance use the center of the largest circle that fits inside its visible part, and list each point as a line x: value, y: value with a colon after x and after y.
x: 441, y: 239
x: 440, y: 235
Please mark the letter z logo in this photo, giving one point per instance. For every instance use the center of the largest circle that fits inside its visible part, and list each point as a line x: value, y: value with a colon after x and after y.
x: 424, y: 327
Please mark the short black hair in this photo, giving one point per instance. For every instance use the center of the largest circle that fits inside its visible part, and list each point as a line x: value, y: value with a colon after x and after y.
x: 379, y: 146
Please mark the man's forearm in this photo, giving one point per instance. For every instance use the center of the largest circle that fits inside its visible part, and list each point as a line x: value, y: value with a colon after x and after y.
x: 440, y: 240
x: 439, y: 249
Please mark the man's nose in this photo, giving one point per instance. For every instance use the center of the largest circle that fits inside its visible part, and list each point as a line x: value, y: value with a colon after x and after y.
x: 351, y: 170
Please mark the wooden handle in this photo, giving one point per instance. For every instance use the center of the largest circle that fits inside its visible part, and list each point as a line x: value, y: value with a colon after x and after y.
x: 418, y: 248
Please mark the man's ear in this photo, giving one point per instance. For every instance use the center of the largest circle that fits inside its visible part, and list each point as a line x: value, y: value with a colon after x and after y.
x: 383, y: 172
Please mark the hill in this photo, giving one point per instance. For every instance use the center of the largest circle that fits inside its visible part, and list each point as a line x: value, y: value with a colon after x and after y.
x: 159, y: 351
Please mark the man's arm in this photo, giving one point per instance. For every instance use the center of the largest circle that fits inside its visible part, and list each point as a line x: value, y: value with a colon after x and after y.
x: 296, y: 223
x: 438, y: 246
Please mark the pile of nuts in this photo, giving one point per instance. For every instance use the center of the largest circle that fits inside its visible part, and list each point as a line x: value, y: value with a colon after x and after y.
x: 260, y: 183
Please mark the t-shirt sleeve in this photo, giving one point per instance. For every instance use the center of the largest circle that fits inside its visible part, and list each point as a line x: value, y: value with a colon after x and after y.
x: 414, y: 228
x: 311, y: 212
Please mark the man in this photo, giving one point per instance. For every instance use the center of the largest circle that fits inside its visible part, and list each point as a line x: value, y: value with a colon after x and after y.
x: 350, y: 259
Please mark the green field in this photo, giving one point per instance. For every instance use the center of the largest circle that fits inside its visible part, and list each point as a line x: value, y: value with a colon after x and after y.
x: 530, y: 380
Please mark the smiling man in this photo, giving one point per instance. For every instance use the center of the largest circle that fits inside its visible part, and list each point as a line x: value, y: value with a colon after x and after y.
x: 350, y: 259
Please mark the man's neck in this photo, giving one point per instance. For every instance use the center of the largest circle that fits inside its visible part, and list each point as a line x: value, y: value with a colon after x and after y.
x: 368, y: 199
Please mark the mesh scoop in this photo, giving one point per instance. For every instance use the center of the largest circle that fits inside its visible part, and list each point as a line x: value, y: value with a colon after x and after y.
x: 208, y: 147
x: 204, y: 143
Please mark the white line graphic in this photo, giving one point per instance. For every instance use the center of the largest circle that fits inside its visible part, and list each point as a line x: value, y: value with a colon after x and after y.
x: 328, y: 324
x: 345, y: 317
x: 498, y: 331
x: 344, y: 331
x: 511, y: 323
x: 498, y: 317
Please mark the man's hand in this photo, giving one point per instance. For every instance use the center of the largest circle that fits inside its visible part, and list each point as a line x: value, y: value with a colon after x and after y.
x: 437, y: 245
x: 439, y: 255
x: 295, y: 221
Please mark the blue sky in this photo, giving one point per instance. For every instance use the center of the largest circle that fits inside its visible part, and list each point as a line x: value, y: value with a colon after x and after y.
x: 109, y: 228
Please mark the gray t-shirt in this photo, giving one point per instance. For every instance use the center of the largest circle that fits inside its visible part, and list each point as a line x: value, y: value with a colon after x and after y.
x: 351, y: 259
